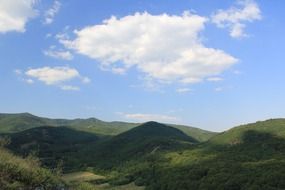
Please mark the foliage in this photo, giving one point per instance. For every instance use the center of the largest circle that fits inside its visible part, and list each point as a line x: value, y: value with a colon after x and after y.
x: 10, y: 123
x: 17, y: 173
x: 160, y: 157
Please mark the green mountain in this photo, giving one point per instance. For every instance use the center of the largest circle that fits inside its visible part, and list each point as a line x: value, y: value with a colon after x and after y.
x: 77, y: 149
x: 52, y: 145
x: 162, y: 156
x: 138, y: 142
x: 246, y: 157
x: 10, y: 123
x: 274, y: 127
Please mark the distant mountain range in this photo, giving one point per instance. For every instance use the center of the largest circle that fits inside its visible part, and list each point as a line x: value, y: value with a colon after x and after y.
x: 154, y: 155
x: 10, y: 123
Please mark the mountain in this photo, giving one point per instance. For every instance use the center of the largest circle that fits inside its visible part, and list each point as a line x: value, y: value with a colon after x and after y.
x: 250, y: 156
x: 10, y: 123
x: 140, y: 141
x: 52, y: 144
x: 78, y: 148
x: 198, y: 134
x: 236, y: 135
x: 162, y: 157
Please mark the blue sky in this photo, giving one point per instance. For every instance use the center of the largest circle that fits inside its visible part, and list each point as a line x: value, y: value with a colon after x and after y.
x: 209, y: 64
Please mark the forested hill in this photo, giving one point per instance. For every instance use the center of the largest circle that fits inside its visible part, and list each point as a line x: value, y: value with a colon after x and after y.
x: 10, y: 123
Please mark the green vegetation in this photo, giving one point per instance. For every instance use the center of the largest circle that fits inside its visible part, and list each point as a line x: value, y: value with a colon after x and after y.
x: 78, y: 150
x: 53, y: 145
x: 156, y: 156
x: 247, y: 157
x: 91, y: 181
x: 10, y: 123
x: 136, y: 143
x: 17, y: 173
x: 81, y: 176
x: 274, y: 127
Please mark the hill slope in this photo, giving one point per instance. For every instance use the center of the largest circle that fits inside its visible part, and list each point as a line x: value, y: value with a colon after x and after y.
x: 17, y: 173
x: 246, y: 157
x: 52, y: 144
x: 275, y: 127
x: 161, y: 157
x: 78, y: 149
x: 141, y: 141
x: 10, y: 123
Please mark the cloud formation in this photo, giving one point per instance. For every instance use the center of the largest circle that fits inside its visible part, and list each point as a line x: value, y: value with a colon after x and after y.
x: 58, y: 54
x: 165, y: 48
x: 14, y: 14
x: 57, y: 76
x: 235, y: 18
x: 50, y: 13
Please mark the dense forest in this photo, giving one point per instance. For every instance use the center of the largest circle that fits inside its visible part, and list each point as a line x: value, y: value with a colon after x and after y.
x: 41, y: 152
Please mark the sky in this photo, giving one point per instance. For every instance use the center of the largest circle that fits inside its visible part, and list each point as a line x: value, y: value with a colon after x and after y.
x: 212, y: 64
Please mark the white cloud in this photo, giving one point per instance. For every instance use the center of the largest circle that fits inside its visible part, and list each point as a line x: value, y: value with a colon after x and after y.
x: 165, y: 48
x: 53, y: 75
x: 57, y: 76
x: 50, y: 13
x: 59, y: 54
x: 235, y: 18
x: 140, y: 117
x: 14, y: 14
x: 183, y: 90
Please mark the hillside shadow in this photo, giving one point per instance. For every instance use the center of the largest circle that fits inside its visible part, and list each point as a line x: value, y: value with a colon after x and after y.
x: 256, y: 162
x: 53, y: 145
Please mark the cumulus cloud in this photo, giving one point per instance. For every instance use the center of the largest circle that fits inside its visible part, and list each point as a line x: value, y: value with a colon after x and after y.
x: 50, y: 13
x: 53, y: 75
x: 235, y: 18
x: 140, y: 117
x: 14, y: 14
x: 58, y: 54
x: 57, y: 76
x: 165, y: 48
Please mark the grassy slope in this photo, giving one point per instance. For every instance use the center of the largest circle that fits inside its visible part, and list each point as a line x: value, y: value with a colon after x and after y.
x: 198, y: 134
x: 246, y: 157
x: 18, y: 173
x: 275, y: 127
x: 89, y: 181
x: 10, y: 123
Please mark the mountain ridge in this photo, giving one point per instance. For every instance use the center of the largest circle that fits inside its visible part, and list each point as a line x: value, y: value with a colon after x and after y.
x: 16, y: 122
